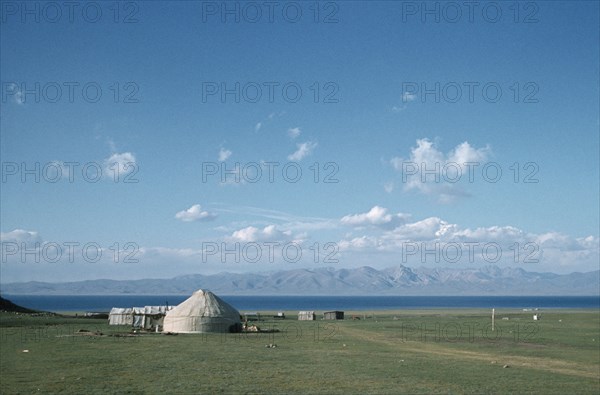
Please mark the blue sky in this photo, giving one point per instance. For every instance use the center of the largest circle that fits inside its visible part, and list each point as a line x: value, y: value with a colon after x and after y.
x: 157, y: 122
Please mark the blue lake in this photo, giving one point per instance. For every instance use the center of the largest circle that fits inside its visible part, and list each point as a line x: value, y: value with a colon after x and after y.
x: 257, y: 303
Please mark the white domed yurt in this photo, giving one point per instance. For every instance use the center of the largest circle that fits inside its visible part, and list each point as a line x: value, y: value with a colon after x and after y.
x: 200, y: 313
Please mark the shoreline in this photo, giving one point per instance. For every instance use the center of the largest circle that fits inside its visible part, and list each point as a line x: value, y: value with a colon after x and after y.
x: 291, y: 313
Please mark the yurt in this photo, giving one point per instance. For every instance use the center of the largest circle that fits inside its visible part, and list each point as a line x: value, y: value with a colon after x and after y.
x: 202, y: 312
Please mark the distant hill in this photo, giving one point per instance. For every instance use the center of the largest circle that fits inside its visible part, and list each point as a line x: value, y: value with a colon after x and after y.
x: 398, y: 280
x: 7, y: 305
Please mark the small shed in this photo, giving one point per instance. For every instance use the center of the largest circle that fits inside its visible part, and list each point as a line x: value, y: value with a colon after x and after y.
x: 306, y: 316
x: 333, y: 315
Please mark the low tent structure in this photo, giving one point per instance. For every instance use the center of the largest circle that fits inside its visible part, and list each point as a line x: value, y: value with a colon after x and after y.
x: 147, y: 317
x: 202, y: 312
x: 120, y: 316
x: 138, y: 317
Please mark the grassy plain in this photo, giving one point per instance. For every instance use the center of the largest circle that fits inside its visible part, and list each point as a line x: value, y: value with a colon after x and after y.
x: 416, y: 352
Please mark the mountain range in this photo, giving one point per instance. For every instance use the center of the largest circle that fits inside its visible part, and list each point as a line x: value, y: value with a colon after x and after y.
x: 365, y: 280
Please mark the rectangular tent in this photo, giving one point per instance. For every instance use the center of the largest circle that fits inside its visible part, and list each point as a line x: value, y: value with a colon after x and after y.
x: 146, y: 317
x: 120, y: 316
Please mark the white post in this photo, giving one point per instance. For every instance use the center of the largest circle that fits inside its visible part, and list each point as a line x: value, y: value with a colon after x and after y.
x: 493, y: 314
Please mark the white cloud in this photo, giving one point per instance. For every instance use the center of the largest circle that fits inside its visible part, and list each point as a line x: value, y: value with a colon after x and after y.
x: 272, y: 116
x: 567, y: 251
x: 389, y: 186
x: 377, y: 216
x: 289, y: 221
x: 428, y: 229
x: 194, y: 213
x: 503, y: 234
x: 431, y: 172
x: 20, y: 236
x: 294, y: 132
x: 465, y: 153
x: 358, y: 243
x: 424, y: 152
x: 302, y: 151
x: 249, y: 234
x: 119, y: 165
x: 224, y: 154
x: 268, y: 233
x: 14, y: 90
x: 556, y: 240
x: 407, y: 96
x: 375, y: 243
x: 431, y: 236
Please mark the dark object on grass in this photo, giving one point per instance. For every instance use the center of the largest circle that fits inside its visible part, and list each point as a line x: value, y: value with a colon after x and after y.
x: 96, y: 314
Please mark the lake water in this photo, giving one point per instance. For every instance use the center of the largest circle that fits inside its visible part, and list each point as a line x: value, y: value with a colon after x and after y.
x: 286, y: 303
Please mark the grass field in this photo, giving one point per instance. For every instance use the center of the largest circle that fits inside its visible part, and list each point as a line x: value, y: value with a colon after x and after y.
x: 420, y: 352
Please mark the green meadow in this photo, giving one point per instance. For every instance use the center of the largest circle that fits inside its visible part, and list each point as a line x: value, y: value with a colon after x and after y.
x: 416, y: 352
